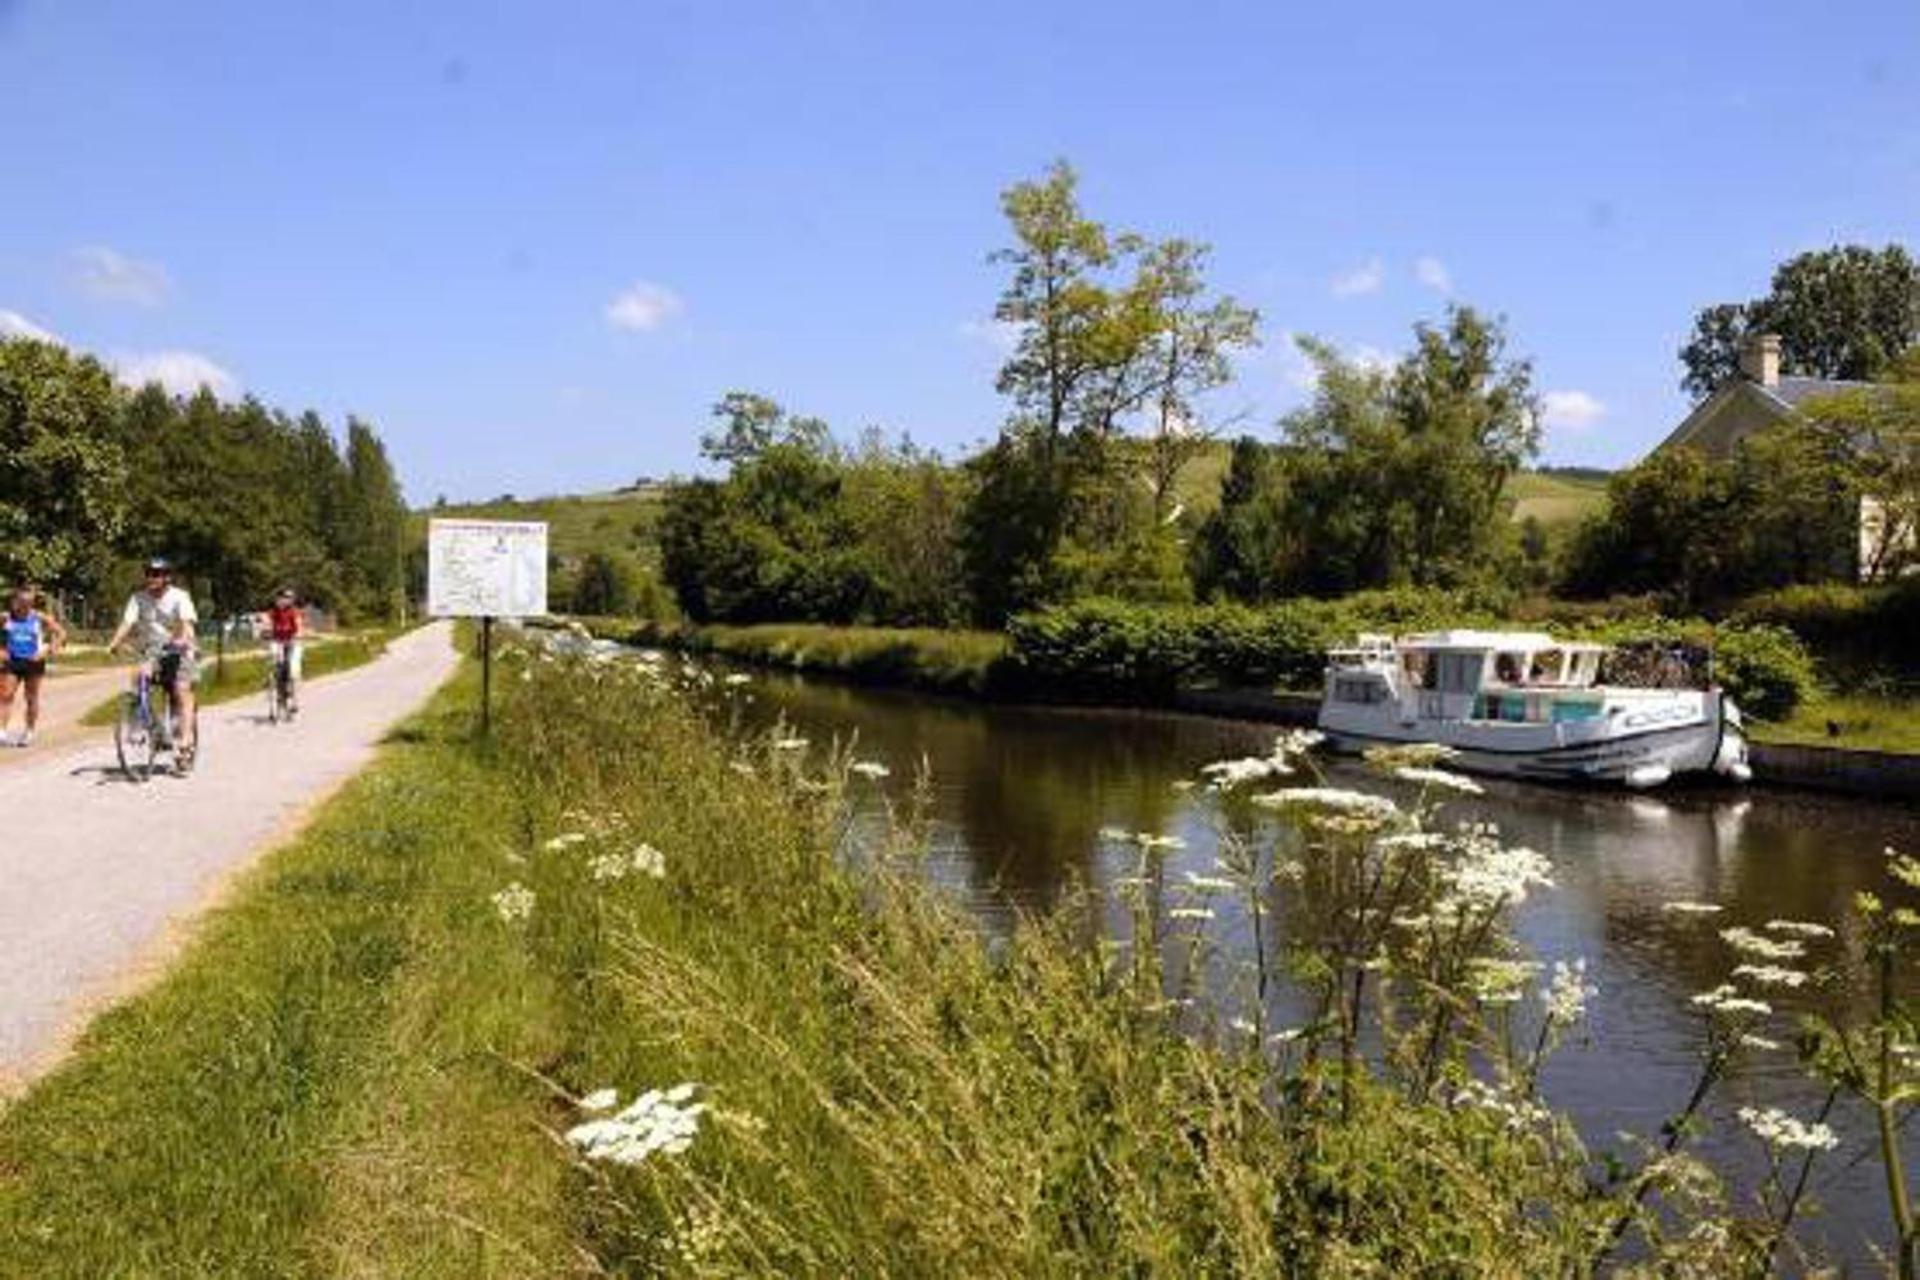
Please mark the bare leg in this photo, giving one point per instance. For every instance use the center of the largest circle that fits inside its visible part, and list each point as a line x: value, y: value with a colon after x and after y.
x: 33, y: 702
x: 8, y: 682
x: 189, y: 732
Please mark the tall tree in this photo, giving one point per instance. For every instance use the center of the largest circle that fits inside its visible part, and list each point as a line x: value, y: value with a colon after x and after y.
x: 1846, y: 312
x: 376, y: 516
x: 63, y: 488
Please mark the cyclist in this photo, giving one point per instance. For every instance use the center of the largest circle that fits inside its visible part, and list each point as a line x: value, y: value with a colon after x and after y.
x: 285, y: 627
x: 161, y: 618
x: 32, y: 636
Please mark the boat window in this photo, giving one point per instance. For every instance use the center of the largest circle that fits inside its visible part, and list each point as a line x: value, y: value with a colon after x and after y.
x: 1363, y: 691
x: 1507, y: 668
x: 1459, y: 672
x: 1414, y: 662
x: 1549, y: 667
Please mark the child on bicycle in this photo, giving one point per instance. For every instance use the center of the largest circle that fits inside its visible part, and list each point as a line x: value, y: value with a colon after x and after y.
x: 285, y: 626
x: 161, y: 618
x: 32, y: 636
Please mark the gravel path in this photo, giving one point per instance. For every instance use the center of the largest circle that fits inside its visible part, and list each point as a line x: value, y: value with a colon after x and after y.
x: 101, y: 874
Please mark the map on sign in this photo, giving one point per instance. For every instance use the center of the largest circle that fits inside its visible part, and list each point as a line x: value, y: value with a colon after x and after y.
x: 486, y: 568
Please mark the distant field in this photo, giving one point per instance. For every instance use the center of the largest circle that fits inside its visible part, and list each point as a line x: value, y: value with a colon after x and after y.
x: 624, y: 519
x: 1556, y: 499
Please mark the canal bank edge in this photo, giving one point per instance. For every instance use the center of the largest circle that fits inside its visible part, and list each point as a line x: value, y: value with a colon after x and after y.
x: 1883, y: 775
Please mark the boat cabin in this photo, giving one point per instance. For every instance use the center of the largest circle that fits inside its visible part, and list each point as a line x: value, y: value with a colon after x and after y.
x: 1512, y: 676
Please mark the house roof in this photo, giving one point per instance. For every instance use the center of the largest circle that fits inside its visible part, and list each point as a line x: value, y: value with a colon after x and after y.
x: 1793, y: 392
x: 1744, y: 398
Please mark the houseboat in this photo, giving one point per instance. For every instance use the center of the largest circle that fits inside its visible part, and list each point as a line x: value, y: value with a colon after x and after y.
x: 1522, y: 704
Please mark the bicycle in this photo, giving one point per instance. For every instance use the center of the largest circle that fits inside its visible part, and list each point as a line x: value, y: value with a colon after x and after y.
x: 280, y: 704
x: 140, y: 737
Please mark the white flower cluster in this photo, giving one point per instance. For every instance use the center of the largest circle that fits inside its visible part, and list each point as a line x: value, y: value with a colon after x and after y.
x: 565, y: 841
x: 514, y: 903
x: 1684, y: 908
x: 1210, y: 884
x: 1225, y: 775
x: 1488, y: 875
x: 656, y: 1121
x: 1519, y: 1113
x: 1770, y: 975
x: 1747, y: 942
x: 1497, y: 981
x: 1726, y: 998
x: 1778, y: 1129
x: 872, y: 770
x: 1333, y: 800
x: 737, y: 679
x: 1444, y: 779
x: 1566, y: 995
x: 643, y: 860
x: 1798, y: 928
x: 1145, y: 839
x: 789, y: 744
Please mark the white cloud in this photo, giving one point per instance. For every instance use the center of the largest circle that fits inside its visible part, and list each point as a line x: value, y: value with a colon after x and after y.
x: 1372, y: 359
x: 1302, y: 373
x: 1002, y: 335
x: 1571, y: 411
x: 1433, y: 273
x: 111, y: 276
x: 15, y: 325
x: 1365, y: 278
x: 644, y: 307
x: 181, y: 372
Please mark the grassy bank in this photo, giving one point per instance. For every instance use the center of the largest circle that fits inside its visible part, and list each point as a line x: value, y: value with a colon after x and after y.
x: 972, y: 663
x: 1857, y: 722
x: 244, y: 675
x: 367, y: 1063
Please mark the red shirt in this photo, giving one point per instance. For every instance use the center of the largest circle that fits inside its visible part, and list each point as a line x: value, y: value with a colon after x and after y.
x: 283, y: 624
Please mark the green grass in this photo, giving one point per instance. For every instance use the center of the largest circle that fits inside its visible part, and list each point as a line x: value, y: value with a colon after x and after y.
x: 244, y: 675
x: 1556, y: 500
x: 1864, y: 724
x: 334, y: 1039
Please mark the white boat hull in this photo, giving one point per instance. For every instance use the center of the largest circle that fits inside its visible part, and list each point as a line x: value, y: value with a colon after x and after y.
x: 1706, y: 741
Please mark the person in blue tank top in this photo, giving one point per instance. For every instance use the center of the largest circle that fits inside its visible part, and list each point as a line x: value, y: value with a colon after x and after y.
x: 31, y: 637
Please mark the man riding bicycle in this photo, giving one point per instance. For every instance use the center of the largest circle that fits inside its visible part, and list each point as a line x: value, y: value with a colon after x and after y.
x: 285, y: 627
x: 160, y: 617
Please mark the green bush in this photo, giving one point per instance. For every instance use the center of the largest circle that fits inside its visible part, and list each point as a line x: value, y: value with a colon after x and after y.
x: 1766, y: 669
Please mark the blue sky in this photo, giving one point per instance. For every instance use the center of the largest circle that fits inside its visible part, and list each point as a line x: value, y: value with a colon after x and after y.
x: 532, y: 243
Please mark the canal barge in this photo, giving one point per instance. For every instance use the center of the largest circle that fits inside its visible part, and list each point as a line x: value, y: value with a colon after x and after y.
x: 1522, y: 704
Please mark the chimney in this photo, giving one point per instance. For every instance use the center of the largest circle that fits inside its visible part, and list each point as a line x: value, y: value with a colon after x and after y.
x: 1760, y: 359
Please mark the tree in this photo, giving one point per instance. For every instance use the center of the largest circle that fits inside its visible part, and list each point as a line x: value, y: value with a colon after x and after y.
x: 1398, y: 475
x: 1847, y: 312
x: 375, y: 519
x: 604, y: 587
x: 1244, y: 549
x: 63, y: 488
x: 1876, y: 431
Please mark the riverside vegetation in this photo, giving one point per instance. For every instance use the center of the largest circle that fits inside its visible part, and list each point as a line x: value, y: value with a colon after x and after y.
x: 622, y: 991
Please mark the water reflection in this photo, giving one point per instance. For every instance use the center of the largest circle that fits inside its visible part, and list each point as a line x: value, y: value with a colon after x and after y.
x: 1021, y: 796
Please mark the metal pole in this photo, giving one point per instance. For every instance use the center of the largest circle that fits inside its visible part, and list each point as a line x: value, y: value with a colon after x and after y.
x: 486, y: 675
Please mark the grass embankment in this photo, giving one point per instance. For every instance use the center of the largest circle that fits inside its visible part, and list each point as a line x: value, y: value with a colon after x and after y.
x: 363, y: 1068
x: 968, y: 663
x: 245, y: 674
x: 1856, y: 722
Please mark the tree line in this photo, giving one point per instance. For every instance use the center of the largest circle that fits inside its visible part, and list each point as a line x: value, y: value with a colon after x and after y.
x: 242, y: 497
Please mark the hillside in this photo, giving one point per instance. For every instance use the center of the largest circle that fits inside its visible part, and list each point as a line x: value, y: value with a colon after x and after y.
x: 1557, y: 498
x: 620, y: 520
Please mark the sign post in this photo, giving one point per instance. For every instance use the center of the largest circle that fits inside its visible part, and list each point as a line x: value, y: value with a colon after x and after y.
x: 486, y: 569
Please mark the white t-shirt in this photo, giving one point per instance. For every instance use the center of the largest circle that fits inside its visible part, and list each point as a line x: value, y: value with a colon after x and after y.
x: 155, y: 618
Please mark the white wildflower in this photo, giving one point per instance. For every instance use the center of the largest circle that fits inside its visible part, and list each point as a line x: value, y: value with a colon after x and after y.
x: 1496, y: 981
x: 1778, y: 1129
x: 789, y: 744
x: 741, y: 767
x: 1190, y: 913
x: 1115, y: 835
x: 566, y: 841
x: 1770, y: 975
x: 1244, y: 1027
x: 648, y: 861
x: 870, y: 769
x: 1420, y: 841
x: 1567, y: 994
x: 1798, y: 928
x: 1286, y: 1035
x: 606, y: 867
x: 655, y: 1122
x: 1747, y: 942
x: 600, y: 1100
x: 1726, y: 998
x: 1225, y: 775
x: 1490, y: 876
x: 1148, y: 840
x: 737, y: 679
x: 1444, y: 779
x: 1518, y: 1112
x: 1211, y: 884
x: 1333, y: 800
x: 1752, y: 1041
x: 1298, y: 741
x: 514, y: 903
x: 1683, y: 908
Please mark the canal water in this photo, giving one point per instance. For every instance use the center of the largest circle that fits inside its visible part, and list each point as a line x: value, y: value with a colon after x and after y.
x: 1022, y: 794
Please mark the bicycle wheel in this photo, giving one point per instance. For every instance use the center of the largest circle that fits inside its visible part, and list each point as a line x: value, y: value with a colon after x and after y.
x: 274, y: 712
x: 131, y: 740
